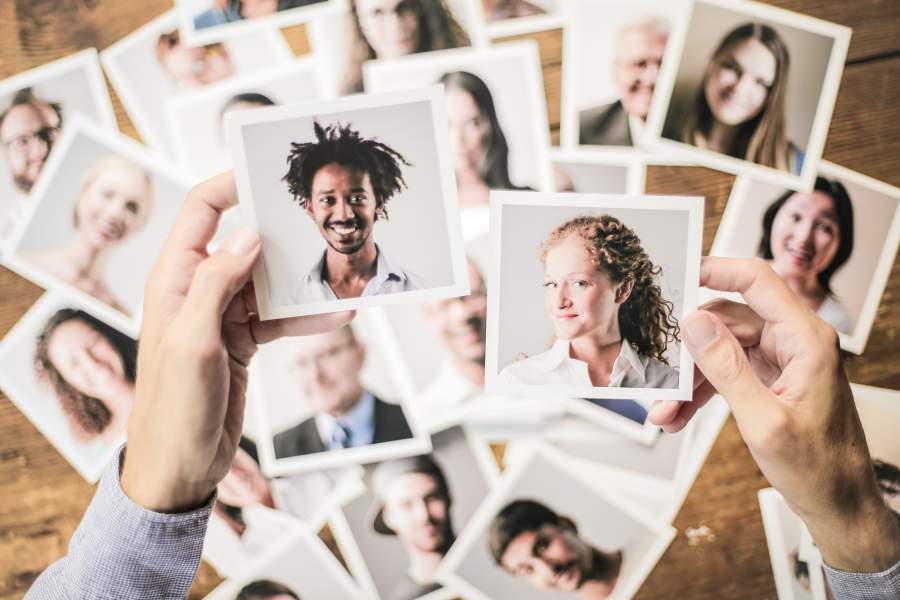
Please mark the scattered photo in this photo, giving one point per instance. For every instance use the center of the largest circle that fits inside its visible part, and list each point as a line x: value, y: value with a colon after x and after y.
x: 596, y: 173
x: 72, y: 375
x: 318, y: 181
x: 34, y: 107
x: 783, y: 533
x: 154, y: 65
x: 330, y: 400
x: 546, y: 531
x: 749, y: 89
x: 395, y: 535
x: 834, y: 246
x: 618, y: 274
x: 504, y: 18
x: 879, y: 411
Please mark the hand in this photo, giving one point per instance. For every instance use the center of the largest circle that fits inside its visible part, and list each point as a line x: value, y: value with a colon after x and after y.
x: 200, y: 330
x: 779, y: 368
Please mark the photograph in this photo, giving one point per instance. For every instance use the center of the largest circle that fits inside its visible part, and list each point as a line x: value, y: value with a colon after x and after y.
x: 332, y: 399
x: 606, y: 99
x: 296, y: 565
x: 72, y: 375
x: 596, y: 172
x: 97, y: 220
x: 386, y: 30
x: 783, y: 533
x: 196, y: 119
x: 35, y: 106
x: 833, y: 246
x: 618, y: 274
x: 749, y: 89
x: 153, y: 65
x: 506, y: 18
x: 546, y: 531
x: 496, y: 110
x: 879, y: 412
x: 206, y: 21
x: 396, y: 534
x: 315, y: 180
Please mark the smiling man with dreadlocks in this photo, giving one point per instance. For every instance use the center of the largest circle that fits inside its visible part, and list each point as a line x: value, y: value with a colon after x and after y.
x: 344, y: 182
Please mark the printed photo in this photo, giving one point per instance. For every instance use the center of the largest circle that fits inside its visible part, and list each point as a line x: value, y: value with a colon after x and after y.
x: 546, y: 531
x: 72, y: 375
x: 606, y: 98
x: 330, y: 400
x: 834, y: 246
x: 749, y: 89
x: 386, y: 30
x: 396, y: 534
x: 596, y: 173
x: 618, y: 273
x: 783, y: 532
x: 154, y: 65
x: 196, y: 120
x: 318, y: 181
x: 34, y: 107
x: 505, y: 18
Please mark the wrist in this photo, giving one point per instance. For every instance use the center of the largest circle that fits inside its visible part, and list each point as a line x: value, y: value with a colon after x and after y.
x: 147, y: 486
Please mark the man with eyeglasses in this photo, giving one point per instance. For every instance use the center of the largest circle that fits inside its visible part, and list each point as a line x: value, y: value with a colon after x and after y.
x: 637, y: 56
x: 347, y: 415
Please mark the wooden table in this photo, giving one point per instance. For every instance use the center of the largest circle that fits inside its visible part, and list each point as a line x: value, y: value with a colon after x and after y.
x: 42, y: 498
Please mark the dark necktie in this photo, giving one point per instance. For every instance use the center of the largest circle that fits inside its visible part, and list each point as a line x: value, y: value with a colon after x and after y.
x: 341, y: 436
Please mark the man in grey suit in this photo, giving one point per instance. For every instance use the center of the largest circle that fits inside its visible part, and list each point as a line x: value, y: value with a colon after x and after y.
x: 638, y: 53
x: 347, y: 415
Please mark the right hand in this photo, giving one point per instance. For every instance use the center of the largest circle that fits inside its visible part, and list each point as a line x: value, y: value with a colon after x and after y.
x: 779, y: 368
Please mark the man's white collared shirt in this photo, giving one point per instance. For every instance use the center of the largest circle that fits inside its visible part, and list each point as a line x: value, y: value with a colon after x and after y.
x: 556, y: 367
x: 448, y: 391
x: 389, y: 278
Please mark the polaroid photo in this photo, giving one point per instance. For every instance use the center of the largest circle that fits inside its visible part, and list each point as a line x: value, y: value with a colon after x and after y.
x: 879, y: 412
x: 295, y: 565
x: 344, y: 43
x: 332, y: 400
x: 34, y: 107
x: 210, y: 21
x: 319, y: 180
x: 606, y: 100
x: 81, y: 405
x: 154, y: 64
x: 596, y: 172
x: 97, y: 220
x: 783, y: 532
x: 630, y: 323
x: 749, y: 89
x: 544, y: 515
x: 505, y: 18
x: 395, y: 534
x: 196, y: 120
x: 843, y: 236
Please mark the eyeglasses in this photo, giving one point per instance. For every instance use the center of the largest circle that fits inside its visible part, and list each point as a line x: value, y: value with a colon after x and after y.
x: 27, y: 141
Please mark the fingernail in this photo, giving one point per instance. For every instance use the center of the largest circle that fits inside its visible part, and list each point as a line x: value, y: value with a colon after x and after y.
x: 699, y: 330
x: 242, y: 242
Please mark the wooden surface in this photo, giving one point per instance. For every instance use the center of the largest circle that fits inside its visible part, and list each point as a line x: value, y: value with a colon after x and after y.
x: 42, y: 498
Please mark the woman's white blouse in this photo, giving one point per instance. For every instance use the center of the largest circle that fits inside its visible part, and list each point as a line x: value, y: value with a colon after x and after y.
x: 556, y: 367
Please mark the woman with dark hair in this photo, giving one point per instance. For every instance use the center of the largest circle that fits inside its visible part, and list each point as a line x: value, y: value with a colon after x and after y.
x: 480, y: 151
x: 739, y: 109
x: 266, y: 589
x: 91, y: 368
x: 380, y: 29
x: 807, y: 237
x: 611, y: 322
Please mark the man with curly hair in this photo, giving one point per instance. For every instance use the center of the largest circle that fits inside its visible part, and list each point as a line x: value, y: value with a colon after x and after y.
x: 344, y: 182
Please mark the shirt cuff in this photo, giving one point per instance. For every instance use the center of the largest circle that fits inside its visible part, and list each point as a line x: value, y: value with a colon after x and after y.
x: 865, y: 586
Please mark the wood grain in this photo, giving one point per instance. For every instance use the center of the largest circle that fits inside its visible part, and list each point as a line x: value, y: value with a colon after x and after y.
x: 42, y: 498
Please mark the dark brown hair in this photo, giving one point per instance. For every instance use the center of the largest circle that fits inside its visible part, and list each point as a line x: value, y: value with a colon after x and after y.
x: 263, y: 589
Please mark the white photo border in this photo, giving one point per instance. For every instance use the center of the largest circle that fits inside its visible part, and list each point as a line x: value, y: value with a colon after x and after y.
x: 606, y: 156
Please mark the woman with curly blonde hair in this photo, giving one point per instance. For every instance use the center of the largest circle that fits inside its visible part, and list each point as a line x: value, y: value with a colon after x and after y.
x: 611, y: 323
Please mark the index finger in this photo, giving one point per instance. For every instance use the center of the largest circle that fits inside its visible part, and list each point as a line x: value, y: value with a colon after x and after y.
x: 199, y: 216
x: 763, y: 290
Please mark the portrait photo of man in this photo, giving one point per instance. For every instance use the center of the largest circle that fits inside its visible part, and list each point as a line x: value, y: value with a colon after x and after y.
x: 28, y: 127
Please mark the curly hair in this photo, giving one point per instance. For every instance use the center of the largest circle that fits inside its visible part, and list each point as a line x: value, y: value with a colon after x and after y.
x: 344, y: 145
x: 89, y: 416
x: 645, y: 318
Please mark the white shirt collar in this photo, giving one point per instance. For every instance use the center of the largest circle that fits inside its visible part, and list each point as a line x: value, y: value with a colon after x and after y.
x: 360, y: 420
x: 628, y: 361
x: 385, y: 269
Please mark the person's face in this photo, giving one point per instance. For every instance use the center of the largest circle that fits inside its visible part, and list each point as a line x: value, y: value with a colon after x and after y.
x: 328, y: 366
x: 461, y: 322
x: 86, y: 359
x: 550, y: 558
x: 195, y: 67
x: 805, y: 235
x: 244, y: 484
x: 390, y: 26
x: 416, y: 508
x: 344, y: 207
x: 578, y: 298
x: 258, y: 8
x: 467, y: 129
x: 636, y: 66
x: 738, y: 82
x: 26, y: 136
x: 113, y: 206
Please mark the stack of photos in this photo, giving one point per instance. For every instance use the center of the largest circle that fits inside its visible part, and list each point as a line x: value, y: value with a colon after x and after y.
x: 481, y: 427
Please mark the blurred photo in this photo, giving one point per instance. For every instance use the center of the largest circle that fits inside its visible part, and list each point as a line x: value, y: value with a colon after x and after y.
x: 28, y: 128
x: 229, y: 11
x: 498, y: 10
x: 192, y: 66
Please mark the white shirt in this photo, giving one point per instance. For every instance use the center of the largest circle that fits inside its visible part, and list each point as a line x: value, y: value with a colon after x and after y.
x: 389, y: 278
x: 556, y: 367
x: 11, y: 218
x: 448, y: 391
x: 833, y: 312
